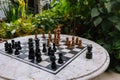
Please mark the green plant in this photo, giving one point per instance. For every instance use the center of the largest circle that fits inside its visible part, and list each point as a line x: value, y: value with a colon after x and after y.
x: 20, y: 27
x: 105, y: 17
x: 12, y: 11
x: 46, y: 21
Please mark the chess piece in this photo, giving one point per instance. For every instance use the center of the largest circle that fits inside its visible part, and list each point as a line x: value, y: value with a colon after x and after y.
x: 49, y: 51
x: 69, y: 45
x: 6, y: 46
x: 43, y: 35
x: 80, y: 44
x: 57, y: 42
x: 38, y: 55
x: 31, y: 49
x: 54, y: 47
x: 89, y: 52
x: 48, y: 42
x: 13, y: 44
x: 19, y: 45
x: 52, y: 52
x: 53, y: 63
x: 31, y: 53
x: 58, y: 35
x: 17, y: 51
x: 55, y: 36
x: 50, y: 36
x: 60, y: 60
x: 35, y: 34
x: 30, y: 43
x: 10, y: 51
x: 44, y: 48
x: 67, y: 40
x: 37, y: 42
x: 73, y: 38
x: 76, y: 41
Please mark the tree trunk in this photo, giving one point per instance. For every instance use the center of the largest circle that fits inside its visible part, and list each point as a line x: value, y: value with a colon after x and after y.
x: 39, y: 6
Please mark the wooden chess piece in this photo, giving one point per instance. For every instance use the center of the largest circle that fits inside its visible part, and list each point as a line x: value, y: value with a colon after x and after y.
x: 76, y: 42
x: 58, y: 35
x: 50, y: 36
x: 36, y: 34
x: 73, y: 43
x: 55, y: 35
x: 69, y: 45
x: 80, y: 44
x: 43, y: 35
x: 48, y: 42
x: 73, y: 38
x: 57, y: 42
x: 59, y: 29
x: 67, y: 40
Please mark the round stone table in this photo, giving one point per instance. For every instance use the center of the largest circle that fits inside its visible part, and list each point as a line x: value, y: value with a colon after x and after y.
x: 79, y: 69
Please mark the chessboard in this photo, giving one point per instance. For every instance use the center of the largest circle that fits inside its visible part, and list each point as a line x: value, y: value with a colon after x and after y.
x: 45, y: 64
x: 51, y: 53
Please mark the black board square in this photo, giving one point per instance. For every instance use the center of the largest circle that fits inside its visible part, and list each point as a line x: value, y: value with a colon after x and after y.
x: 22, y: 56
x: 73, y: 52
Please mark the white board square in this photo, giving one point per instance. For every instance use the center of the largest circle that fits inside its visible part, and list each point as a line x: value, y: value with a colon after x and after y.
x: 44, y: 63
x: 63, y: 46
x: 44, y: 57
x: 76, y: 49
x: 65, y: 50
x: 69, y: 55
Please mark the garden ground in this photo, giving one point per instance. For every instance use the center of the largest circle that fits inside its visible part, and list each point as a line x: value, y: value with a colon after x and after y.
x: 109, y: 75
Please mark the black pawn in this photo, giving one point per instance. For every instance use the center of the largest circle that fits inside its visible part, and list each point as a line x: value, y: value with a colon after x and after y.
x: 6, y: 46
x: 60, y: 60
x: 13, y: 44
x: 49, y: 51
x: 54, y: 47
x: 44, y: 48
x: 19, y: 45
x: 53, y: 64
x: 38, y: 55
x: 17, y: 51
x: 89, y: 52
x: 52, y: 52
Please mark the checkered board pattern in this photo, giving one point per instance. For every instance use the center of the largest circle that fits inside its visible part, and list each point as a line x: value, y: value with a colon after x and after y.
x: 68, y: 56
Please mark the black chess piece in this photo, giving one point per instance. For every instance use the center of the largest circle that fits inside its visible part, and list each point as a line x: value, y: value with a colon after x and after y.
x: 37, y: 42
x: 53, y: 63
x: 52, y: 52
x: 19, y: 45
x: 6, y: 46
x: 44, y: 48
x: 54, y: 47
x: 38, y: 55
x: 60, y: 60
x: 31, y: 54
x: 49, y: 50
x: 10, y: 50
x: 13, y: 44
x: 30, y: 40
x: 17, y: 51
x: 89, y: 52
x: 30, y: 43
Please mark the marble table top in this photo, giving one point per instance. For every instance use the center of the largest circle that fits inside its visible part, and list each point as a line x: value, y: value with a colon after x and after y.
x: 79, y: 69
